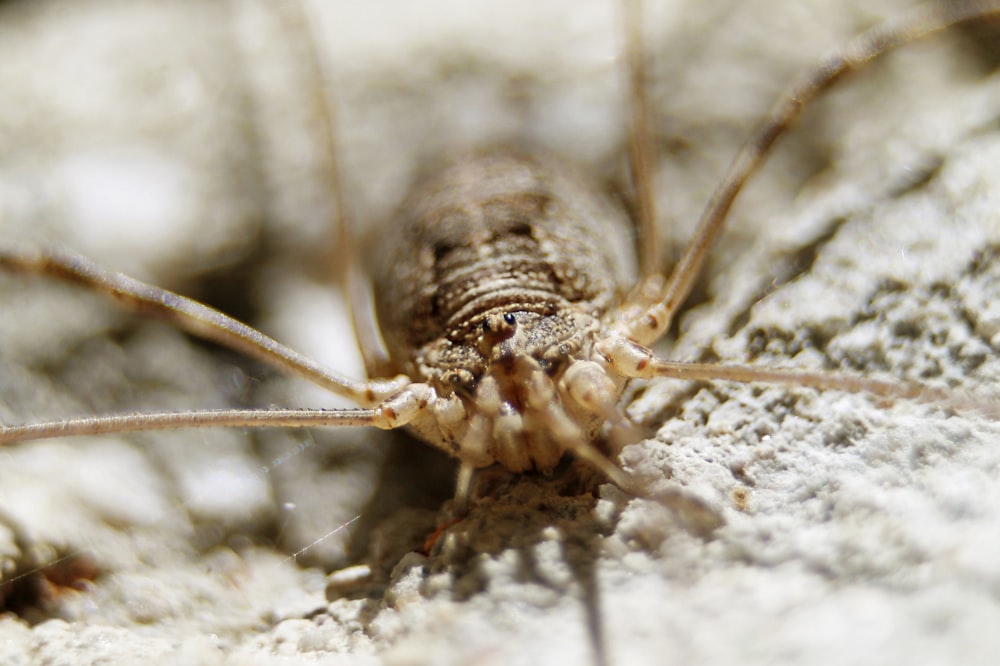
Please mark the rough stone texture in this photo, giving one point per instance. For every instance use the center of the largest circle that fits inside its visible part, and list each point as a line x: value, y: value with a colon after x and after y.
x: 175, y: 141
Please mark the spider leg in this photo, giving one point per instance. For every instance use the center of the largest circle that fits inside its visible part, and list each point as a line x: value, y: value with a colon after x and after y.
x: 635, y: 361
x: 194, y: 318
x: 345, y: 256
x: 393, y: 412
x: 641, y: 163
x: 231, y: 418
x: 646, y: 318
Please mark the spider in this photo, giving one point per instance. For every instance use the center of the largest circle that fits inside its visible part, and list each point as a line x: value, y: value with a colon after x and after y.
x: 495, y: 392
x: 512, y: 317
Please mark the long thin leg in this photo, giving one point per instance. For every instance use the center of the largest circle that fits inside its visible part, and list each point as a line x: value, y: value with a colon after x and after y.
x: 635, y: 361
x: 222, y: 418
x: 641, y: 141
x: 345, y: 260
x: 652, y: 322
x: 193, y: 317
x: 393, y: 412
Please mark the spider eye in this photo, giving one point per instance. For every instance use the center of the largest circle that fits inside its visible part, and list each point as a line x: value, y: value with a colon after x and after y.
x: 486, y: 326
x: 509, y: 318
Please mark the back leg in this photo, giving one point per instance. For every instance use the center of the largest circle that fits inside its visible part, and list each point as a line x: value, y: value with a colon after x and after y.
x: 641, y: 141
x: 345, y: 258
x: 192, y: 317
x: 647, y: 322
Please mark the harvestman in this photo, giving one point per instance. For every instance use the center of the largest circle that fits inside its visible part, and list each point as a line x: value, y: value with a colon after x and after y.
x: 511, y: 325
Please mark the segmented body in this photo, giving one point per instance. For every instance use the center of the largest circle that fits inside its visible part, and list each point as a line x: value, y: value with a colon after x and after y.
x: 500, y: 264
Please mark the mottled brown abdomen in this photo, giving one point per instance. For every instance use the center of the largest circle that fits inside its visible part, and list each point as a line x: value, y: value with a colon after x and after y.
x: 496, y: 232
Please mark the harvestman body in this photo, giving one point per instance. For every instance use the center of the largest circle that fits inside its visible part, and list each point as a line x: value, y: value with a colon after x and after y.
x: 512, y: 311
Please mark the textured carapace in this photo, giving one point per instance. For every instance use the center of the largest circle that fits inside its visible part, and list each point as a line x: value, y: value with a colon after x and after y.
x: 497, y: 277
